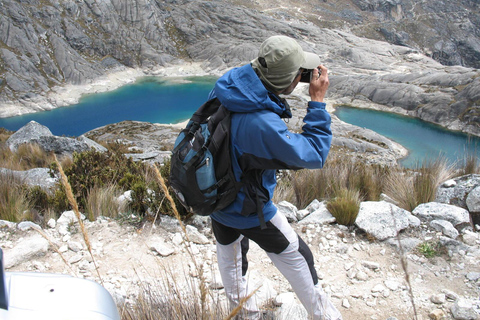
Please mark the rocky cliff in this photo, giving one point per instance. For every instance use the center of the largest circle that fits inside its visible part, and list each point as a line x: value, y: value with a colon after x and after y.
x: 46, y: 44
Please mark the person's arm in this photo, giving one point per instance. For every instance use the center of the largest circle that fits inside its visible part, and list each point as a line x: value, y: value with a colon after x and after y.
x: 266, y: 142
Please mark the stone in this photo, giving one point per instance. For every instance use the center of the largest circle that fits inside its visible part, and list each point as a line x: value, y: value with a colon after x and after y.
x: 473, y: 276
x: 445, y: 227
x: 29, y: 248
x: 7, y: 224
x: 320, y: 216
x: 27, y: 225
x: 437, y: 314
x: 74, y: 246
x: 195, y: 236
x: 51, y: 223
x: 288, y: 210
x: 33, y: 177
x: 392, y: 285
x: 463, y: 309
x: 163, y: 249
x: 473, y: 200
x: 27, y: 134
x: 382, y: 220
x: 440, y: 211
x: 371, y: 265
x: 438, y: 298
x: 458, y: 194
x: 35, y: 133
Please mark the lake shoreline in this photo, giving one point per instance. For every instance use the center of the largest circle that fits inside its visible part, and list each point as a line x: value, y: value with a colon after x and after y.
x: 67, y: 95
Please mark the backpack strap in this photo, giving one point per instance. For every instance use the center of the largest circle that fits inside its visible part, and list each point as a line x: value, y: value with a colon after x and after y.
x: 206, y: 110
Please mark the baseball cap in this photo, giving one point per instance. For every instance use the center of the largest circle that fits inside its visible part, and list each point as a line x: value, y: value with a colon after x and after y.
x: 279, y: 59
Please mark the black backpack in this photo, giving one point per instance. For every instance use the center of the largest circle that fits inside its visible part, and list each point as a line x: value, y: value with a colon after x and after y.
x: 201, y: 173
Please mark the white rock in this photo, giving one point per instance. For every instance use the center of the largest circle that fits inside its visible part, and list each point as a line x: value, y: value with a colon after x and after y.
x: 378, y: 288
x: 441, y: 211
x: 371, y: 265
x: 392, y: 284
x: 74, y: 246
x: 438, y: 298
x: 445, y: 227
x: 449, y: 183
x: 463, y: 310
x: 473, y: 200
x: 195, y: 236
x: 27, y: 225
x: 362, y: 276
x: 346, y: 303
x: 177, y: 239
x: 8, y: 224
x: 51, y: 223
x: 163, y: 249
x: 28, y: 248
x: 288, y: 210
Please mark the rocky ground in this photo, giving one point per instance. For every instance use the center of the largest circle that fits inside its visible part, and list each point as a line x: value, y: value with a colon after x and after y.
x: 365, y: 277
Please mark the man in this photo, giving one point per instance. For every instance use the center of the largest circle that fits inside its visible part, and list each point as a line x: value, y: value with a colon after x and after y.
x: 261, y: 143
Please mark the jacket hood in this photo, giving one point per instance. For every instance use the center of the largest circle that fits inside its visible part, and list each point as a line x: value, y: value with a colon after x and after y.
x: 241, y: 90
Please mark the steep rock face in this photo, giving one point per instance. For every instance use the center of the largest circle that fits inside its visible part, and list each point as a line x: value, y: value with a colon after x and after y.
x: 53, y: 43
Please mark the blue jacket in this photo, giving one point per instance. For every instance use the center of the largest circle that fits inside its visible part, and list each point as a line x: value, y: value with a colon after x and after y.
x: 261, y: 143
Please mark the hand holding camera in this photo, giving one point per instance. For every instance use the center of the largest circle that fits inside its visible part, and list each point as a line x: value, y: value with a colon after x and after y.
x: 318, y: 83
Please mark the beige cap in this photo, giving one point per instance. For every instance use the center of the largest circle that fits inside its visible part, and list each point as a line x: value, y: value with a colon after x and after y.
x: 279, y: 60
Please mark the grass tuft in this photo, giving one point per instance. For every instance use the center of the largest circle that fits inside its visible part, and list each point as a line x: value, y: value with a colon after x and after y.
x: 345, y: 206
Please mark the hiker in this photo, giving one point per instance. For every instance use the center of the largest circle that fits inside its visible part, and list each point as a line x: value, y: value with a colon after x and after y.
x: 260, y: 144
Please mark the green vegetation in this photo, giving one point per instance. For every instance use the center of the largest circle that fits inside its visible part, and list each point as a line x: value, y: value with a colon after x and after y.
x: 430, y: 249
x: 98, y: 179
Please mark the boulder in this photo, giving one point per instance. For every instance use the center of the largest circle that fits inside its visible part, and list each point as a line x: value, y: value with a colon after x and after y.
x: 288, y: 210
x: 456, y: 192
x: 34, y: 177
x: 35, y: 133
x: 383, y: 220
x: 440, y: 211
x: 30, y: 247
x: 320, y: 216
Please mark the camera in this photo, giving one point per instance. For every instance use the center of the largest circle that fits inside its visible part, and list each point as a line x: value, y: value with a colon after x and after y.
x: 307, y: 75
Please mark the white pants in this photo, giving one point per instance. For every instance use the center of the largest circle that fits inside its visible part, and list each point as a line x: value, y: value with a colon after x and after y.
x: 287, y: 251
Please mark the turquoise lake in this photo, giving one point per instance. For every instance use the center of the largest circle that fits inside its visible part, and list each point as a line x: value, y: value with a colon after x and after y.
x: 158, y: 100
x: 425, y: 141
x: 150, y: 99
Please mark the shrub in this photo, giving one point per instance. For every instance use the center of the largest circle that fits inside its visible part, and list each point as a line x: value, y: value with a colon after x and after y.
x: 345, y: 206
x: 92, y: 173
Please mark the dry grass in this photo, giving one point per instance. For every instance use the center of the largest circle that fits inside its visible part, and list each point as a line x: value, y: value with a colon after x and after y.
x: 74, y: 204
x: 171, y: 298
x: 14, y: 205
x: 471, y: 163
x: 27, y: 156
x: 102, y: 201
x: 411, y: 188
x: 345, y: 206
x: 304, y: 186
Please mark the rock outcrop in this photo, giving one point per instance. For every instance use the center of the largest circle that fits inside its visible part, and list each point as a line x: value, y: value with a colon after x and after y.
x: 50, y: 44
x: 35, y: 133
